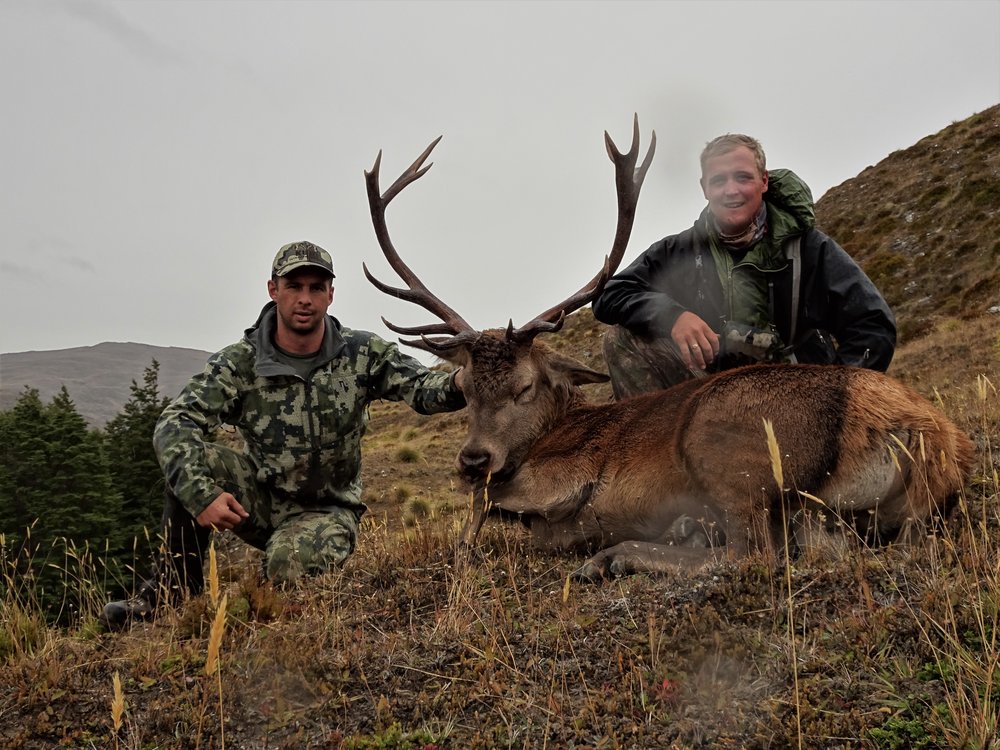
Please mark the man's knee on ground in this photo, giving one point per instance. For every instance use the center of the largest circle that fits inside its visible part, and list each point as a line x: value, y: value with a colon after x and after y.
x: 309, y: 551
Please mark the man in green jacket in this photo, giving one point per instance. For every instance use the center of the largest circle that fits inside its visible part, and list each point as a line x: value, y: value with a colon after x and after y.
x: 753, y: 280
x: 296, y: 388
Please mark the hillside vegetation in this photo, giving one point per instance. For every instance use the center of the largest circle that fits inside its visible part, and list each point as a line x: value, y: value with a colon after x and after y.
x: 414, y: 646
x: 925, y: 224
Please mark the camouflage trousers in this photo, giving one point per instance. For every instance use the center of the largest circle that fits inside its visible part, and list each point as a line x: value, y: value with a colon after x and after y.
x: 297, y: 540
x: 638, y: 364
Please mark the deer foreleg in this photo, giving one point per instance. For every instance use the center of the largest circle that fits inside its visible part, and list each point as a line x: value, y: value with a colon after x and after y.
x: 643, y: 557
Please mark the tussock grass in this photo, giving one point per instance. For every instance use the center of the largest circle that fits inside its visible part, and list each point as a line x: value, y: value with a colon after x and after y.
x: 408, y: 455
x: 418, y: 509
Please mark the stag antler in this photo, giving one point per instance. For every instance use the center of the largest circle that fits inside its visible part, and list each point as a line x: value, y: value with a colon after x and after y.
x: 453, y: 323
x: 628, y: 182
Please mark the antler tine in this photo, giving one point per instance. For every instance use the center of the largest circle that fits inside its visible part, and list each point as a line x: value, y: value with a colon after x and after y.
x: 411, y: 173
x: 410, y: 330
x: 444, y: 345
x: 628, y: 183
x: 416, y: 291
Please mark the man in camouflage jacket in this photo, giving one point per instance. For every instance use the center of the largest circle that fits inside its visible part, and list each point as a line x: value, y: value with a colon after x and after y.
x: 297, y: 389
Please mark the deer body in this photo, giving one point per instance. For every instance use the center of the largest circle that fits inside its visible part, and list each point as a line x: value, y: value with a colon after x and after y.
x: 668, y: 478
x: 661, y: 479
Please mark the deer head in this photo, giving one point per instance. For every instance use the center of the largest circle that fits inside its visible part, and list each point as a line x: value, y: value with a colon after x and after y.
x: 516, y: 388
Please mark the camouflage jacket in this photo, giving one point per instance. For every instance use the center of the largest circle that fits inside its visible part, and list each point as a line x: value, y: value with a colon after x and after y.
x: 303, y: 437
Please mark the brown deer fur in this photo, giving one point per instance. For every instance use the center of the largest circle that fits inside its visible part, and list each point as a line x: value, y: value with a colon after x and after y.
x: 620, y: 477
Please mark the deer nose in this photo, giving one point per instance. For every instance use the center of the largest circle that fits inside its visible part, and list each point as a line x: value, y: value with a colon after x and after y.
x: 474, y: 464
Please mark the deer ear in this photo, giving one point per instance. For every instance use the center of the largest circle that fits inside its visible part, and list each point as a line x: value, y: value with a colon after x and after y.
x: 583, y: 376
x: 576, y: 372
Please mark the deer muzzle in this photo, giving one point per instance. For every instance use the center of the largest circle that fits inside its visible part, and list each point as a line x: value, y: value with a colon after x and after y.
x: 474, y: 465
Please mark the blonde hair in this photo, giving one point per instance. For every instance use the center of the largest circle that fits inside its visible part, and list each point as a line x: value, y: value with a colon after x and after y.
x: 726, y: 143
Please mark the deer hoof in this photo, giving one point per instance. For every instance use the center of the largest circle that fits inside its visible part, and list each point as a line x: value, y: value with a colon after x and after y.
x: 620, y: 567
x: 588, y: 573
x: 604, y: 566
x: 596, y: 570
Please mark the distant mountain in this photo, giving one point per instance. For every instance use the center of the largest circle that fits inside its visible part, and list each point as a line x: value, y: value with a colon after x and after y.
x: 98, y: 377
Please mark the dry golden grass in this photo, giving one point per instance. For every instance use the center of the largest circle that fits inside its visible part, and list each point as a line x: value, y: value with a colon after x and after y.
x: 117, y: 706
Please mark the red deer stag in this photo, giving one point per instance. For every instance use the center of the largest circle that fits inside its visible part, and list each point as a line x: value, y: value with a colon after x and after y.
x: 660, y: 480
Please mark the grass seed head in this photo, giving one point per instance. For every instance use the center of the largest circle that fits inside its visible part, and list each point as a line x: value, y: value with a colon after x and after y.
x: 215, y: 638
x: 117, y: 703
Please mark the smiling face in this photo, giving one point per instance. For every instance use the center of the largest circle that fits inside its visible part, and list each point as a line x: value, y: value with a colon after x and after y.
x: 734, y: 187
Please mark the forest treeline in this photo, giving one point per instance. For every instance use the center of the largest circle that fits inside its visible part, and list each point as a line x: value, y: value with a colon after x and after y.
x: 75, y: 501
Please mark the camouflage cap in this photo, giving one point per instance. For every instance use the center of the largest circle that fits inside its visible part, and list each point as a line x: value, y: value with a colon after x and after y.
x: 296, y: 255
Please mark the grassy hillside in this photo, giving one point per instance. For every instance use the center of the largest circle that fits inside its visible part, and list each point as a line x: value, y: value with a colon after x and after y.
x: 415, y: 646
x: 925, y: 224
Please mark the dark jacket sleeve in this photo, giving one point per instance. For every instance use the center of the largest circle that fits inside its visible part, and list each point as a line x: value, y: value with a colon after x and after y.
x: 637, y: 298
x: 841, y: 299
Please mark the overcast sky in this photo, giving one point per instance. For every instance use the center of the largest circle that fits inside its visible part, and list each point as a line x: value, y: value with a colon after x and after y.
x: 155, y: 155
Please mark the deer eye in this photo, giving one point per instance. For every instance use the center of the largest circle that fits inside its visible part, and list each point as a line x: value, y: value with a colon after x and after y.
x: 523, y: 394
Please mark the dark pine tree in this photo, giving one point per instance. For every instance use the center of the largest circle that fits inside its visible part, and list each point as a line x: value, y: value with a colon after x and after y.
x: 57, y: 502
x: 136, y: 474
x: 85, y: 506
x: 24, y: 465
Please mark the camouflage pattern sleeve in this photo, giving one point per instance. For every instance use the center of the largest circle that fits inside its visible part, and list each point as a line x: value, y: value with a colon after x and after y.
x: 398, y: 377
x: 187, y: 424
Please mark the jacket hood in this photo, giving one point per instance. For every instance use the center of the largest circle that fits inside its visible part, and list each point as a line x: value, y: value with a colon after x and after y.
x: 260, y: 337
x: 252, y: 333
x: 789, y: 202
